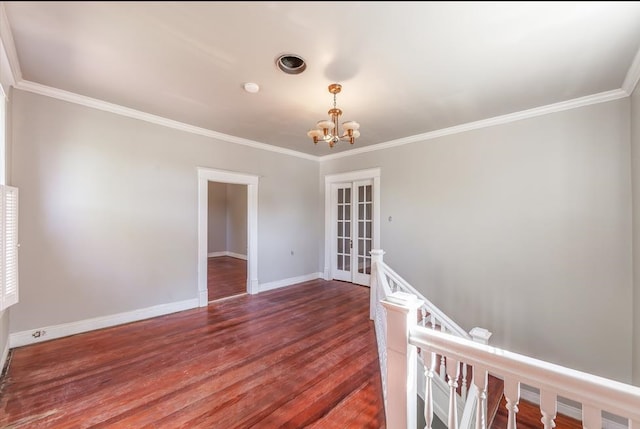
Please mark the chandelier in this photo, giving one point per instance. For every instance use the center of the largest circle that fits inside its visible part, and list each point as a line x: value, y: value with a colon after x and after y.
x: 327, y: 130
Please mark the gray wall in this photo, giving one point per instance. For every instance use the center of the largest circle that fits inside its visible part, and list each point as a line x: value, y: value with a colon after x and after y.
x: 635, y: 144
x: 227, y: 214
x: 108, y: 215
x: 217, y: 215
x: 237, y: 219
x: 522, y: 228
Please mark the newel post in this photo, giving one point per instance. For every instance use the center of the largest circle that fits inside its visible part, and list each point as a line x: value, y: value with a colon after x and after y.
x: 376, y: 257
x: 402, y: 314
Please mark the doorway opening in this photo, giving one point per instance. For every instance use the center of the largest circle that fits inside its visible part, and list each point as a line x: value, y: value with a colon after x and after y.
x: 206, y: 176
x: 226, y: 240
x: 352, y: 225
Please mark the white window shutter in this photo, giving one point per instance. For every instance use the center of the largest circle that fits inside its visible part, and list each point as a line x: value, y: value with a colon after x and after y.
x: 9, y: 251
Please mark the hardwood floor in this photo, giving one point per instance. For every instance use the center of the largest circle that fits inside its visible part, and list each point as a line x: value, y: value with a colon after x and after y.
x: 299, y: 357
x: 302, y: 356
x: 226, y: 276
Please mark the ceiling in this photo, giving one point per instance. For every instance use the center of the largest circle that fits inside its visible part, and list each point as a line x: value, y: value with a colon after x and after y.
x: 407, y: 68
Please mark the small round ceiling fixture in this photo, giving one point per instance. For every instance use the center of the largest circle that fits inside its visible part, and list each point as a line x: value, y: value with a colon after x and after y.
x: 291, y: 63
x: 251, y: 87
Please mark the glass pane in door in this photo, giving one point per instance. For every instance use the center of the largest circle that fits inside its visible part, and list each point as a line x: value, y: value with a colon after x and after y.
x: 364, y: 229
x: 343, y: 245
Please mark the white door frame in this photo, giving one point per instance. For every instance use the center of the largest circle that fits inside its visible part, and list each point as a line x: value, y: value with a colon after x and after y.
x: 206, y: 175
x: 329, y: 226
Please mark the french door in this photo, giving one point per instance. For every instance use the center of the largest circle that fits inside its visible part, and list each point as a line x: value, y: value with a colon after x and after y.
x: 352, y: 218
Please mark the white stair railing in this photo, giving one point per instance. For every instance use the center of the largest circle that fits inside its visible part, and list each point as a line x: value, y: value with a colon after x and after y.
x: 596, y: 394
x: 413, y: 333
x: 434, y: 378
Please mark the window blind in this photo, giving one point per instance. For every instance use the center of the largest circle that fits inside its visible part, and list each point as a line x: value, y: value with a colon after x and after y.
x: 9, y: 248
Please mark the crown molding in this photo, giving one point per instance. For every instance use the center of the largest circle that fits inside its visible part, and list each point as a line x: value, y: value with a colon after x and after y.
x: 497, y: 120
x: 94, y: 103
x: 8, y: 48
x: 633, y: 75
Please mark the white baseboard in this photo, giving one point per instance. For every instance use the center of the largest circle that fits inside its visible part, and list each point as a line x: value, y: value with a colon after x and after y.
x: 254, y: 286
x: 5, y: 354
x: 237, y: 255
x: 203, y: 298
x: 226, y: 253
x: 288, y: 282
x: 216, y: 254
x: 24, y: 338
x: 568, y: 410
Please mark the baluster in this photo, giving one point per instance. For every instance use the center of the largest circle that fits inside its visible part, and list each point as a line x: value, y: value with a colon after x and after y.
x: 548, y: 408
x: 423, y: 311
x: 441, y: 370
x: 443, y: 363
x: 512, y: 395
x: 464, y: 381
x: 429, y: 362
x: 591, y: 417
x: 453, y: 372
x: 480, y: 380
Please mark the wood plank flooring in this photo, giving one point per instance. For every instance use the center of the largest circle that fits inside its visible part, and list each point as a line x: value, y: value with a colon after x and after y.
x: 226, y: 276
x: 302, y: 356
x: 298, y: 357
x: 529, y: 416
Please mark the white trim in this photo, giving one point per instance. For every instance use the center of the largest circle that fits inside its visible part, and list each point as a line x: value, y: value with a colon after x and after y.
x: 498, y: 120
x: 288, y: 282
x: 216, y: 254
x: 6, y: 75
x: 352, y: 176
x: 206, y: 175
x: 237, y: 255
x: 633, y: 75
x: 226, y: 253
x: 632, y: 78
x: 329, y: 180
x: 72, y: 97
x: 5, y: 354
x: 24, y: 338
x: 328, y: 230
x: 203, y: 296
x: 8, y: 47
x: 566, y: 409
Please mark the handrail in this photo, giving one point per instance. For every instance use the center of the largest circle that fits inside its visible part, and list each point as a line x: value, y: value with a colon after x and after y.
x: 449, y: 324
x: 593, y: 391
